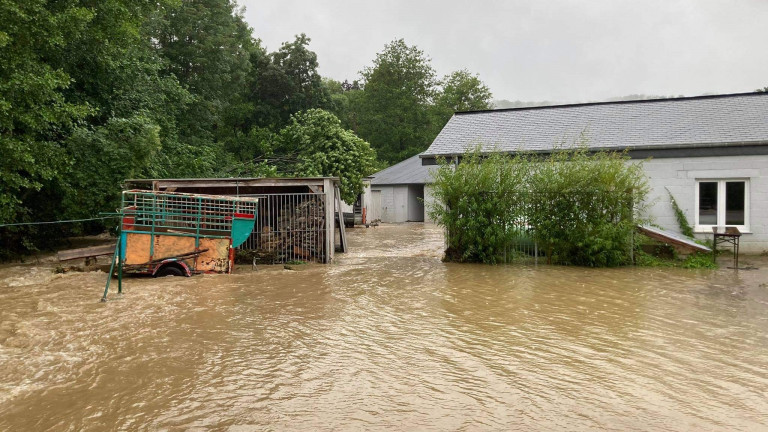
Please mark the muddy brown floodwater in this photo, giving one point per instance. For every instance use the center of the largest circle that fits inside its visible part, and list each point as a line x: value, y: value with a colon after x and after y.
x: 388, y: 337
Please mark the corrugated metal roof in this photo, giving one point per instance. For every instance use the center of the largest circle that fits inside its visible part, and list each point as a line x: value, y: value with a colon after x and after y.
x: 409, y: 171
x: 703, y: 120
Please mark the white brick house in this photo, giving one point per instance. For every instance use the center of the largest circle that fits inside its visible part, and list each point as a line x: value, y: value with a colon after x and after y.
x: 709, y: 152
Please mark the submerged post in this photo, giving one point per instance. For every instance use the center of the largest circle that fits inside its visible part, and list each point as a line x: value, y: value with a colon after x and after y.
x: 119, y: 262
x: 116, y: 256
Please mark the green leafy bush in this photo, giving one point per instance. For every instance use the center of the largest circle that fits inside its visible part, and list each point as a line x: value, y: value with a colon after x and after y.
x: 483, y: 200
x: 699, y: 261
x: 581, y: 208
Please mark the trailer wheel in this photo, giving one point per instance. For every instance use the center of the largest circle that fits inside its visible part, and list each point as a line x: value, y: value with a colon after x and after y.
x: 169, y: 270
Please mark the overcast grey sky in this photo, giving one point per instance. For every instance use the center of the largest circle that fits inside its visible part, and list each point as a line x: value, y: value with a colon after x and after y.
x: 535, y: 50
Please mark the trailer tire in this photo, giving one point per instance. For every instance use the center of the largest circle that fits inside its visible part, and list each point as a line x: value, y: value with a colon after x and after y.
x: 169, y: 270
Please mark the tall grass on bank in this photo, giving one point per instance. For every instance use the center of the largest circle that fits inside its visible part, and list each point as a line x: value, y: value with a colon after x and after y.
x: 580, y: 207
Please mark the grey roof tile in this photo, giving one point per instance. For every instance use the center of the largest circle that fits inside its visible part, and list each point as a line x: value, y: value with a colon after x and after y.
x: 666, y: 122
x: 409, y: 171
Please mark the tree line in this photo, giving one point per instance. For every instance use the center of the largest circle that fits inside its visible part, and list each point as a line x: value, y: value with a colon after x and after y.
x: 95, y: 92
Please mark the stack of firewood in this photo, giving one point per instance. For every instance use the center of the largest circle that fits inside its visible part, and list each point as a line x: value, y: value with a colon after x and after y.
x: 299, y: 234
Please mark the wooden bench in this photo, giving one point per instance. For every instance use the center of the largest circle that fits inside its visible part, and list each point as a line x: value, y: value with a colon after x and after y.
x: 89, y: 253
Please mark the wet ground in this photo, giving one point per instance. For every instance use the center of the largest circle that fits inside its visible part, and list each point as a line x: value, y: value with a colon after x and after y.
x: 387, y: 338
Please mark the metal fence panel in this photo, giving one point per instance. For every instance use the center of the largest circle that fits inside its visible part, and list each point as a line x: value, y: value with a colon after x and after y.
x: 289, y: 227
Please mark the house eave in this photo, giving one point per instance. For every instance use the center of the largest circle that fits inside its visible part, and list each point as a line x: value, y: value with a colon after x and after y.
x: 739, y: 148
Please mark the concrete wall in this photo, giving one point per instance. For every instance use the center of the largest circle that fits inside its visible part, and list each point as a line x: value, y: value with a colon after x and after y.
x: 415, y: 204
x: 679, y: 176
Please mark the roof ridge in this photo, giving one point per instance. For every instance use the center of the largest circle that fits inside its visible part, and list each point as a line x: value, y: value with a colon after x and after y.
x: 571, y: 105
x: 399, y: 163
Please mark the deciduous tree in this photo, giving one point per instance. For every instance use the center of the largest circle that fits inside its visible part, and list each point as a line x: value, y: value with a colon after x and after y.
x: 321, y: 147
x: 34, y: 111
x: 394, y: 111
x: 461, y: 91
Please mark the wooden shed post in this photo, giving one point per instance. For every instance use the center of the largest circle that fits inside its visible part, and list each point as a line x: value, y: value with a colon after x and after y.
x: 330, y: 226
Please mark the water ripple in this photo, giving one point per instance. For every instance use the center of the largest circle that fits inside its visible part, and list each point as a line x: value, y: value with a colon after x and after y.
x: 388, y: 337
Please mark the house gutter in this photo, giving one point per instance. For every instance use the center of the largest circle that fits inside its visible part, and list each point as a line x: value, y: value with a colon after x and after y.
x: 738, y: 148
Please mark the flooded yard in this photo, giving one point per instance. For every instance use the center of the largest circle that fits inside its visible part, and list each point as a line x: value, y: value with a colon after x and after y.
x: 387, y: 338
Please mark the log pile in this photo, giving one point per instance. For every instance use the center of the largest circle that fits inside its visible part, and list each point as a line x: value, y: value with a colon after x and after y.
x: 298, y: 235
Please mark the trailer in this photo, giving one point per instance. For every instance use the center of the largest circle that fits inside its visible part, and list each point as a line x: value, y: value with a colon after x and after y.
x: 180, y: 234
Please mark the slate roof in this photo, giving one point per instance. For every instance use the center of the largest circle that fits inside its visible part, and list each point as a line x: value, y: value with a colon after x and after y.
x: 659, y: 123
x: 409, y: 171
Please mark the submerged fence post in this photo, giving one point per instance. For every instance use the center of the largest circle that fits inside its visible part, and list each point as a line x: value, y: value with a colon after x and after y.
x: 111, y: 269
x: 119, y: 262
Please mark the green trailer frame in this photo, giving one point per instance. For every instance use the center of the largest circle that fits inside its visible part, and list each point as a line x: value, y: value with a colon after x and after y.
x: 176, y: 226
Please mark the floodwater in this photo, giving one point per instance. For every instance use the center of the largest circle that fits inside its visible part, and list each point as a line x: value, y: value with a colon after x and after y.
x: 387, y: 338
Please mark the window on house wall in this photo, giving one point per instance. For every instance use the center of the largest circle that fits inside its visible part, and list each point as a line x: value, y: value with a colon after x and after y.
x: 722, y: 203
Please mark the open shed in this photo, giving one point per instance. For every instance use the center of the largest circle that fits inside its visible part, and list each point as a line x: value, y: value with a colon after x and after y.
x: 296, y: 218
x: 401, y: 193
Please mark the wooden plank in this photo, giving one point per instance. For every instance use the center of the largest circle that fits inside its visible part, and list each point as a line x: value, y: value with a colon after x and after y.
x: 88, y: 252
x: 680, y: 242
x: 212, y: 183
x: 340, y: 215
x: 330, y: 230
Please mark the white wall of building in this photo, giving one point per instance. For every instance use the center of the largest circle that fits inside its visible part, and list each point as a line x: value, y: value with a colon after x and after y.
x: 679, y: 176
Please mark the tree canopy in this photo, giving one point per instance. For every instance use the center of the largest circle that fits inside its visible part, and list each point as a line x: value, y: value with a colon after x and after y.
x: 323, y: 148
x: 92, y: 93
x: 394, y: 109
x: 462, y: 91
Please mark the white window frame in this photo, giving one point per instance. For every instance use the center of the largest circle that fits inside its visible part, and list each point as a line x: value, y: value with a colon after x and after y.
x: 721, y: 204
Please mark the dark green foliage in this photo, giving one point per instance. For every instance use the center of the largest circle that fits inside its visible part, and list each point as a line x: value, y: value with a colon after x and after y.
x: 401, y: 106
x: 286, y: 82
x: 693, y: 261
x: 93, y: 92
x: 584, y: 206
x: 581, y: 207
x: 34, y: 112
x: 699, y: 261
x: 207, y: 46
x: 461, y: 91
x: 102, y: 166
x: 394, y: 110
